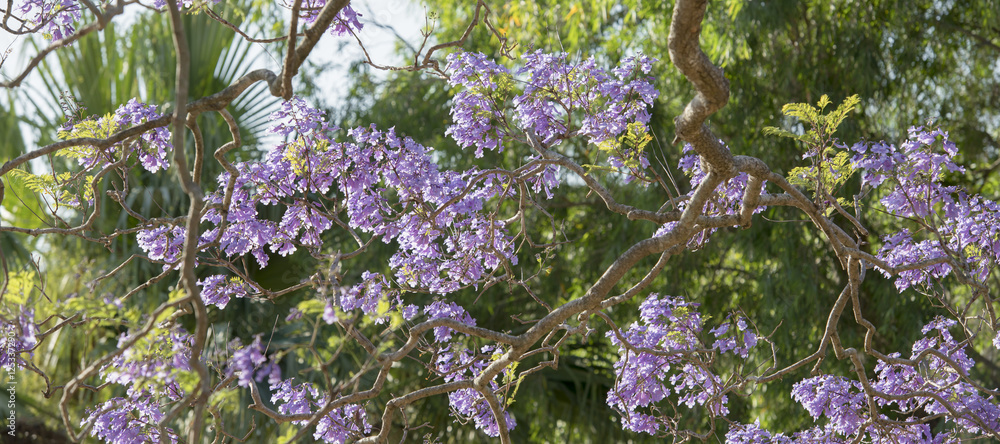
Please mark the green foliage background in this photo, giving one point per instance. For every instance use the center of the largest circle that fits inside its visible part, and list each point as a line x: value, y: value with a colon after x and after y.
x: 908, y: 61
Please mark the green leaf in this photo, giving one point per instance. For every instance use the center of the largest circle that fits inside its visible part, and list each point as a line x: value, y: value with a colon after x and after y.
x: 311, y: 307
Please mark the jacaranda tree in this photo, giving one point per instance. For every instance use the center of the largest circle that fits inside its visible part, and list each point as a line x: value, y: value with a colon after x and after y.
x: 399, y: 237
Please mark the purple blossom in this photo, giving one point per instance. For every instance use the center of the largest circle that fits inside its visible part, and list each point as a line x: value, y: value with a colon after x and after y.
x: 844, y: 405
x: 130, y: 420
x: 161, y: 4
x: 293, y: 315
x: 18, y: 337
x: 837, y: 398
x: 753, y: 434
x: 155, y: 143
x: 731, y: 342
x: 56, y: 17
x: 292, y: 399
x: 151, y: 147
x: 246, y: 360
x: 330, y: 315
x: 218, y: 289
x: 346, y: 23
x: 966, y: 227
x: 364, y: 296
x: 670, y: 325
x: 460, y: 246
x: 558, y: 99
x: 156, y: 358
x: 726, y: 200
x: 162, y: 243
x: 410, y: 311
x: 479, y: 107
x: 341, y: 425
x: 468, y: 403
x: 447, y: 310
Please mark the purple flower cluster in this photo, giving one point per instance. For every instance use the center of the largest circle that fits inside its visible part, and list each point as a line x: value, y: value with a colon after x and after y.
x: 914, y: 165
x: 366, y: 296
x: 557, y: 100
x: 218, y: 289
x: 968, y: 225
x: 153, y: 144
x: 447, y: 310
x: 726, y: 343
x: 478, y: 110
x: 910, y: 389
x: 249, y: 363
x: 346, y: 23
x: 161, y: 4
x: 835, y: 397
x: 55, y: 16
x: 130, y: 420
x: 445, y: 238
x: 726, y: 201
x: 23, y: 339
x: 905, y: 434
x: 937, y: 376
x: 670, y: 326
x: 388, y: 186
x: 151, y: 147
x: 162, y: 243
x: 155, y: 359
x: 900, y: 249
x: 463, y: 365
x: 341, y: 425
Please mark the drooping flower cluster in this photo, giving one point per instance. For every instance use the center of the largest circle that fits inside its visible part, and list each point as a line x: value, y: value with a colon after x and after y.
x: 162, y: 243
x: 150, y: 369
x: 479, y: 108
x: 936, y: 375
x: 74, y: 189
x: 152, y: 364
x: 447, y: 310
x: 249, y: 363
x: 151, y: 147
x: 726, y: 201
x: 969, y: 226
x: 655, y: 362
x: 834, y: 397
x: 56, y: 17
x: 462, y: 365
x: 446, y: 238
x: 131, y: 420
x: 161, y: 4
x: 346, y: 23
x: 341, y: 425
x: 154, y: 144
x: 558, y: 100
x: 16, y: 337
x: 365, y: 296
x: 727, y: 342
x: 218, y: 289
x: 914, y: 390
